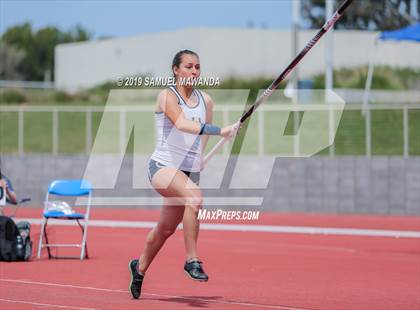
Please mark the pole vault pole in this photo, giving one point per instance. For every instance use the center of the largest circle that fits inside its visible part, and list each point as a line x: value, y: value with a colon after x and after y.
x: 267, y: 93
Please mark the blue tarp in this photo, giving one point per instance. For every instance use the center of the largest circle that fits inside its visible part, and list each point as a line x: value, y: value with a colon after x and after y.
x: 409, y: 33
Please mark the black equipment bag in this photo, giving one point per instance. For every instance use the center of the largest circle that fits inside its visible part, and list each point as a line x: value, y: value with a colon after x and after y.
x: 15, y: 240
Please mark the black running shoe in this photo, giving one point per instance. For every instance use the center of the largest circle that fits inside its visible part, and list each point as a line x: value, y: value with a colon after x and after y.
x: 195, y: 271
x: 136, y: 279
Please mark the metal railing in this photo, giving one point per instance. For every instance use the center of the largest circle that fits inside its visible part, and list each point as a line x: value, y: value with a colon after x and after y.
x: 226, y: 119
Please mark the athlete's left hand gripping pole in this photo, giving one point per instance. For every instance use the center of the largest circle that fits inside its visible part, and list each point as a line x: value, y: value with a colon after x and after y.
x: 267, y: 93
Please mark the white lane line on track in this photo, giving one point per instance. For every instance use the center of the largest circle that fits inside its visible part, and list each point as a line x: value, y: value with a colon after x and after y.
x: 231, y: 302
x: 44, y: 305
x: 247, y: 228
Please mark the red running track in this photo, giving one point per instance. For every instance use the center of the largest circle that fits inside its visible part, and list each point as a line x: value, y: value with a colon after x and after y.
x: 248, y: 270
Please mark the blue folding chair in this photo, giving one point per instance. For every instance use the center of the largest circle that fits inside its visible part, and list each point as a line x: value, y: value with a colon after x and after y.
x: 68, y: 188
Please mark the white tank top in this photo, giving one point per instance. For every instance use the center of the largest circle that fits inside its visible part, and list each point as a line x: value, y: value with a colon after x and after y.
x: 175, y: 148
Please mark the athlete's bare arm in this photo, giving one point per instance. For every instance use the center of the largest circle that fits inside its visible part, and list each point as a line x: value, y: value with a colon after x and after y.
x: 167, y: 103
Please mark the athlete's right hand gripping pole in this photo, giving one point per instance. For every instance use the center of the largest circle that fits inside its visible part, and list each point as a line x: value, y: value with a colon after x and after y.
x: 267, y: 93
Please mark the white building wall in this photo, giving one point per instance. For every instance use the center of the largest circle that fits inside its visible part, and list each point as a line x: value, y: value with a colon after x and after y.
x: 244, y: 53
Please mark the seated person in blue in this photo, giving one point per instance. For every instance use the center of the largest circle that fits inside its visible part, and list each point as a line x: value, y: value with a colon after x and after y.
x: 6, y: 184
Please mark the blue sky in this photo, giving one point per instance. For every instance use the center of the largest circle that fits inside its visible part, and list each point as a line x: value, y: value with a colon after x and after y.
x: 132, y: 17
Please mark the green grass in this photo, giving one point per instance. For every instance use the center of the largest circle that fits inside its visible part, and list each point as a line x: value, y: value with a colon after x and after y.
x: 8, y: 132
x: 389, y: 141
x: 38, y: 132
x: 387, y: 133
x: 350, y: 136
x: 70, y: 132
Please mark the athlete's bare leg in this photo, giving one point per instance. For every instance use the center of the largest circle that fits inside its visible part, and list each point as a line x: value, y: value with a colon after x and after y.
x: 178, y: 190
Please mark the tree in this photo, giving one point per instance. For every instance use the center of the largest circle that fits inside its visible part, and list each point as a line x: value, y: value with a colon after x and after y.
x: 363, y: 14
x: 21, y: 37
x: 39, y: 47
x: 11, y: 58
x: 46, y: 39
